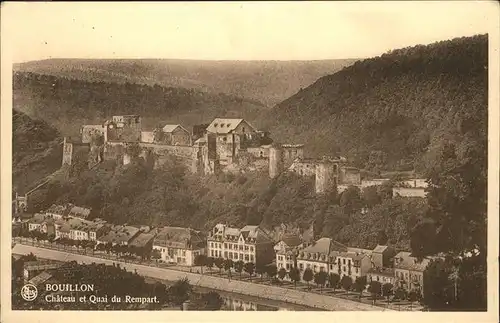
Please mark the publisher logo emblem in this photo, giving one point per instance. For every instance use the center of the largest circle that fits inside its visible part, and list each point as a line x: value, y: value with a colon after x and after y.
x: 29, y: 292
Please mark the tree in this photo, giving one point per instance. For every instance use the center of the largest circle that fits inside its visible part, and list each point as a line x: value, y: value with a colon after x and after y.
x: 228, y: 264
x: 249, y: 268
x: 387, y: 290
x: 400, y: 294
x: 219, y: 263
x: 346, y: 283
x: 160, y: 291
x: 375, y: 289
x: 238, y: 266
x: 271, y: 271
x: 212, y: 301
x: 333, y: 280
x: 133, y: 150
x: 413, y: 296
x: 210, y: 263
x: 260, y: 269
x: 155, y: 254
x: 438, y: 291
x: 371, y: 196
x: 180, y: 291
x: 308, y: 275
x: 282, y: 273
x: 382, y: 238
x: 350, y: 199
x: 320, y: 279
x: 200, y: 260
x: 360, y: 285
x: 294, y: 275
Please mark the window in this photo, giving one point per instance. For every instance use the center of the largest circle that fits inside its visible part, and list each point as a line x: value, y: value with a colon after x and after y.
x: 287, y: 266
x: 225, y: 254
x: 251, y: 248
x: 251, y: 258
x: 301, y: 266
x: 225, y: 245
x: 246, y: 258
x: 246, y: 248
x: 211, y: 244
x: 343, y: 261
x: 243, y: 129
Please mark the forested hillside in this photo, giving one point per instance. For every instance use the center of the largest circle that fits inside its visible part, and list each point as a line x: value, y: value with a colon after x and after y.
x: 171, y: 196
x: 268, y: 82
x: 67, y: 103
x: 36, y: 150
x: 388, y: 112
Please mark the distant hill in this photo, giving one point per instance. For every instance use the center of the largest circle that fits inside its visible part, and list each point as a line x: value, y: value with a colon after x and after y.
x: 269, y: 82
x: 69, y: 103
x: 388, y: 112
x: 36, y: 150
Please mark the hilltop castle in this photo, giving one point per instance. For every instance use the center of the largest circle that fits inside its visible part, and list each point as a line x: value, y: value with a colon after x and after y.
x: 224, y: 145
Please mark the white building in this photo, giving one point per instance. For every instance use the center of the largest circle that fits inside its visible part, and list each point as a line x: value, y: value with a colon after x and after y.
x: 179, y: 245
x: 249, y: 244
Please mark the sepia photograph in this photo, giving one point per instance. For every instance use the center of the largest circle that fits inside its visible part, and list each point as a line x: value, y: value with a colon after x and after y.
x: 266, y: 156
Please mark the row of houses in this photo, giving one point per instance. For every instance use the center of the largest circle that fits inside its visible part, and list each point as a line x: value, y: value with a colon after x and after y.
x: 248, y: 244
x: 380, y: 264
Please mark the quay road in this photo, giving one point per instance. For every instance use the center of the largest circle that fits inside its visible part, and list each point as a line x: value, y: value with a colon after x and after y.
x: 323, y: 302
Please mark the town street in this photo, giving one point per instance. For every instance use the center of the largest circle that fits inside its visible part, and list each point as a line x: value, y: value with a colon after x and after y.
x: 271, y: 292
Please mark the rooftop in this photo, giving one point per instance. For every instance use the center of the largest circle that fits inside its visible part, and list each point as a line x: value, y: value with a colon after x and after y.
x: 251, y: 233
x: 57, y: 209
x: 324, y: 246
x: 171, y: 127
x: 224, y: 125
x: 37, y: 219
x: 404, y: 260
x: 291, y: 240
x: 176, y: 237
x: 380, y: 248
x: 142, y: 239
x: 120, y: 234
x: 78, y: 211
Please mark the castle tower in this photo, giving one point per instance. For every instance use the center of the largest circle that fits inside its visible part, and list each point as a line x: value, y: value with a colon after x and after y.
x: 67, y: 152
x: 275, y: 161
x: 326, y: 176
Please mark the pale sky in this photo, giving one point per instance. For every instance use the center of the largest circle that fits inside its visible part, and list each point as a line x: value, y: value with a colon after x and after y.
x: 235, y: 31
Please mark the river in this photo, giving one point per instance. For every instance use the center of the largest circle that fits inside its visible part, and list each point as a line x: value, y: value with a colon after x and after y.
x: 238, y: 302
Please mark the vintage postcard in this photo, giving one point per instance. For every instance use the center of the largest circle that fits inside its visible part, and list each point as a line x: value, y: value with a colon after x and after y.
x: 332, y: 159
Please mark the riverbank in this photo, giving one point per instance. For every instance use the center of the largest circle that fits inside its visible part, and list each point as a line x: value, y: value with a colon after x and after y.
x: 276, y: 293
